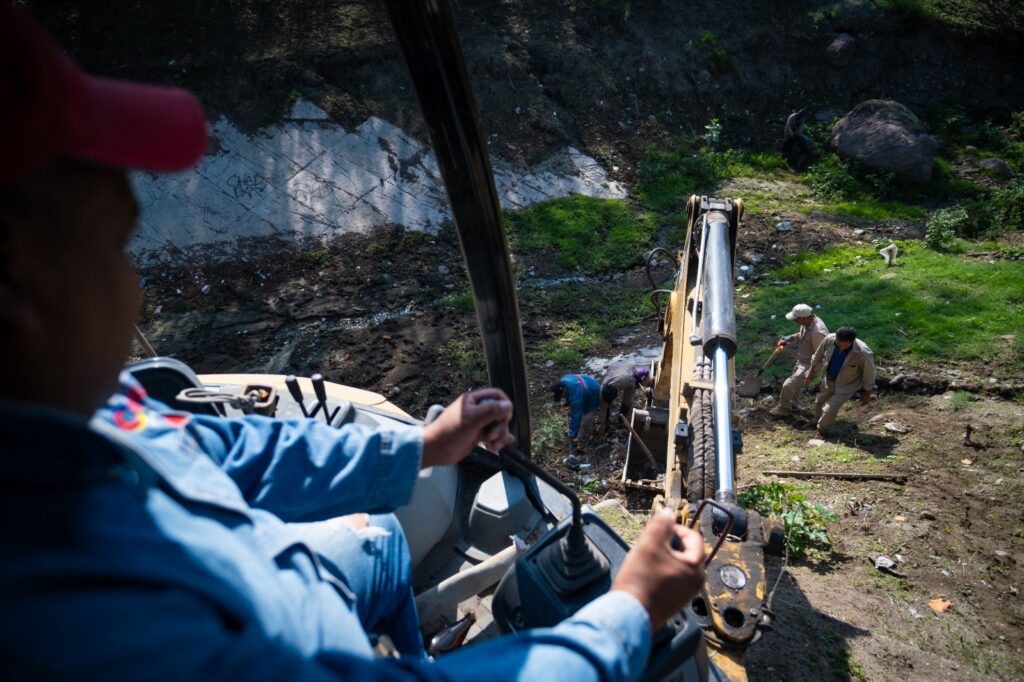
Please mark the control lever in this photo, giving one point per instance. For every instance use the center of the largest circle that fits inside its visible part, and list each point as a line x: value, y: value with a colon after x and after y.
x: 573, y: 563
x: 677, y: 543
x: 295, y: 392
x: 451, y: 638
x: 321, y: 399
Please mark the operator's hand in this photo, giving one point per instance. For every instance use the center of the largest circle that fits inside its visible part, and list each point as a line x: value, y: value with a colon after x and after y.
x: 809, y: 375
x: 865, y: 398
x: 664, y: 580
x: 474, y: 417
x: 781, y: 344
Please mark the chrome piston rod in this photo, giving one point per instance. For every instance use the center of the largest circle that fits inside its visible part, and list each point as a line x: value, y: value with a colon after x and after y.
x: 719, y: 332
x: 726, y: 488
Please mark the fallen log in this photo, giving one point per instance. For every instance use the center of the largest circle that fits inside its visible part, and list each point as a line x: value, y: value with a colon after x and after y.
x: 896, y: 478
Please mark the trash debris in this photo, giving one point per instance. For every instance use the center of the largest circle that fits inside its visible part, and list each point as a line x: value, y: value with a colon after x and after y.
x: 939, y: 605
x: 205, y: 289
x: 926, y: 516
x: 914, y: 612
x: 896, y: 427
x: 889, y: 254
x: 886, y: 565
x: 783, y: 226
x: 899, y: 517
x: 967, y: 461
x: 815, y: 442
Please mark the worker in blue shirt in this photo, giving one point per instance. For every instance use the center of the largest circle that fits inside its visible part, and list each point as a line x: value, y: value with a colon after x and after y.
x: 849, y: 367
x: 581, y: 395
x: 143, y: 544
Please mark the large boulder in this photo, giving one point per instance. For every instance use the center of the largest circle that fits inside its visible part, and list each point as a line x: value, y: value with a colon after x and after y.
x: 886, y: 136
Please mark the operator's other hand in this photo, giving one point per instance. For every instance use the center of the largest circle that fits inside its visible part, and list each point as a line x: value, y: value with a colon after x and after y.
x: 663, y: 579
x: 809, y: 375
x: 474, y: 417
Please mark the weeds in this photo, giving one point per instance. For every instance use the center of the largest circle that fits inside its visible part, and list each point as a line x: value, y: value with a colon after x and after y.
x: 462, y: 300
x: 567, y: 348
x: 806, y: 523
x: 466, y: 359
x: 962, y: 400
x: 317, y: 257
x: 549, y: 435
x: 707, y: 43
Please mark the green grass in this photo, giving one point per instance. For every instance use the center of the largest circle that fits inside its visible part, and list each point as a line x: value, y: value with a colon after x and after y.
x: 595, y: 313
x: 935, y: 306
x: 318, y: 257
x: 669, y: 176
x: 871, y: 210
x: 571, y: 341
x: 592, y: 235
x: 962, y: 400
x: 969, y: 17
x: 462, y: 300
x: 466, y: 361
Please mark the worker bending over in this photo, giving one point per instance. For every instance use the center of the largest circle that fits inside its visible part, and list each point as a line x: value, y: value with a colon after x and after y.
x: 581, y: 395
x: 622, y: 379
x: 810, y: 335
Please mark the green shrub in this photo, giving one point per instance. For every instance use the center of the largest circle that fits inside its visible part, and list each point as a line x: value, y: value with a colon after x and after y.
x: 833, y: 180
x: 805, y: 523
x: 1007, y: 208
x: 944, y: 226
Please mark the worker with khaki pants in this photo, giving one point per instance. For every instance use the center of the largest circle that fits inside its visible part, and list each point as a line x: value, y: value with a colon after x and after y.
x: 810, y: 335
x: 849, y: 365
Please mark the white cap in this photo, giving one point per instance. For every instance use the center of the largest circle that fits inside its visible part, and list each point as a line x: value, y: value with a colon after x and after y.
x: 799, y: 310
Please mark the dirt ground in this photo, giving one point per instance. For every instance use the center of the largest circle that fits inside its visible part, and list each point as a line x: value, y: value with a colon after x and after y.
x: 373, y: 312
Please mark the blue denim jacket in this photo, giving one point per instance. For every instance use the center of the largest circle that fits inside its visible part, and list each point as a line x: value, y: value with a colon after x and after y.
x: 582, y: 395
x: 181, y: 565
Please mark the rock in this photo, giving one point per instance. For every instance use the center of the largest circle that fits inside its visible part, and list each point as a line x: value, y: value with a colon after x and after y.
x: 897, y: 380
x: 815, y: 442
x: 926, y: 516
x: 839, y: 52
x: 549, y: 363
x: 883, y: 562
x: 1004, y: 557
x: 784, y: 226
x: 996, y: 167
x: 885, y: 135
x: 443, y: 269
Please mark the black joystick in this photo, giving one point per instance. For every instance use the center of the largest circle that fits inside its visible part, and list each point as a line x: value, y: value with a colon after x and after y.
x: 320, y: 390
x: 573, y: 563
x: 295, y: 392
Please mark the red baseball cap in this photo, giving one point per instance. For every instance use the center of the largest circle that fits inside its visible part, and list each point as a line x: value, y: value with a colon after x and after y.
x: 50, y: 109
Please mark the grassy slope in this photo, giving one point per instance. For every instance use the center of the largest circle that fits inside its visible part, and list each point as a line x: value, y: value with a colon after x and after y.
x: 931, y: 306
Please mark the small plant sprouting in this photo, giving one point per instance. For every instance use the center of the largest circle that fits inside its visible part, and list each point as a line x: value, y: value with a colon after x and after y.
x: 805, y: 522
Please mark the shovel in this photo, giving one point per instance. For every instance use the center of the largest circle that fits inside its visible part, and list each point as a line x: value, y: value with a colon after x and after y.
x: 751, y: 386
